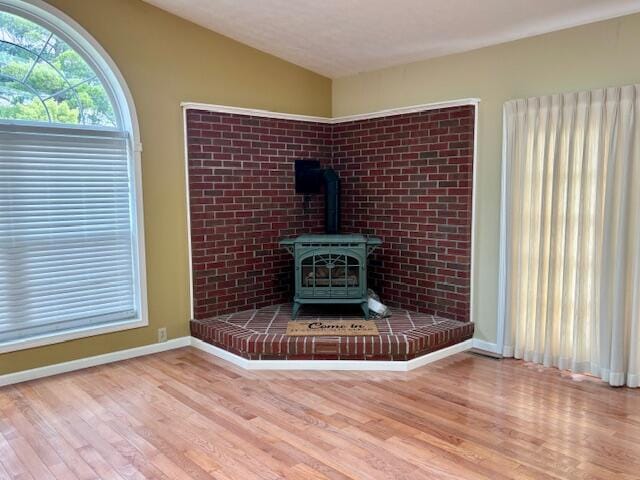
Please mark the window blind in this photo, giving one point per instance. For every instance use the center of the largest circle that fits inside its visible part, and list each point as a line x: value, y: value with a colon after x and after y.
x: 67, y: 236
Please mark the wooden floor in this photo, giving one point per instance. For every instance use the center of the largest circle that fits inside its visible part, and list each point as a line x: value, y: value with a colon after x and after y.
x: 186, y: 415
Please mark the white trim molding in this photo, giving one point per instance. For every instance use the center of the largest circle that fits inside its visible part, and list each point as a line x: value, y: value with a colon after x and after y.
x: 486, y: 346
x: 410, y: 109
x: 502, y: 253
x: 253, y: 112
x: 330, y: 120
x: 474, y: 213
x: 66, y: 335
x: 73, y: 365
x: 322, y: 365
x: 188, y: 215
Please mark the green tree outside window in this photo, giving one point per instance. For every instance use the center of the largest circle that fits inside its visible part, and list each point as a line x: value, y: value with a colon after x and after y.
x: 42, y: 79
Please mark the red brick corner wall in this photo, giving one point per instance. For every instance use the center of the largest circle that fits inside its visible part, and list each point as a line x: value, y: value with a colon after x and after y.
x: 243, y: 201
x: 406, y: 178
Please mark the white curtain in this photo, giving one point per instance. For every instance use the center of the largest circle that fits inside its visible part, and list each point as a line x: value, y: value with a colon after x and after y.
x: 572, y: 230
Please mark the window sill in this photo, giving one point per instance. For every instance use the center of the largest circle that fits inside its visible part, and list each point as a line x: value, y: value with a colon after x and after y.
x: 66, y: 335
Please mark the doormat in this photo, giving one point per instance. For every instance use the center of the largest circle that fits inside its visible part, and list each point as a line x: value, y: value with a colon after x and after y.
x: 334, y: 328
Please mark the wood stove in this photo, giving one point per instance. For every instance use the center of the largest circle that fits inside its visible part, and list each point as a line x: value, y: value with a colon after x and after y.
x: 331, y: 269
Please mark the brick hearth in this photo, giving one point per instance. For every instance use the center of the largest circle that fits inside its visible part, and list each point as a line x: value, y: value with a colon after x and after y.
x: 405, y: 178
x: 260, y: 335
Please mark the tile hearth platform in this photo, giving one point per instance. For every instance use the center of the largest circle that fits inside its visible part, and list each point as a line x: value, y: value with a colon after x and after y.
x: 260, y: 335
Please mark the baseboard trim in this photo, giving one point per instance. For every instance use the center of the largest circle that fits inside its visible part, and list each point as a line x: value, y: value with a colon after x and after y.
x: 486, y: 346
x: 73, y: 365
x: 353, y: 365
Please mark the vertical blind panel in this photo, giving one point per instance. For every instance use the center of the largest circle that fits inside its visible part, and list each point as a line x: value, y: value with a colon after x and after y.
x: 66, y: 237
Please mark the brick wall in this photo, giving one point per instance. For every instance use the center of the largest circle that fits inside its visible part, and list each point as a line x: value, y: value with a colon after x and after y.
x: 243, y: 201
x: 405, y: 178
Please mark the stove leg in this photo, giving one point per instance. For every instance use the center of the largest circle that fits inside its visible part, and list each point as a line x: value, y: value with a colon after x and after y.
x: 296, y: 309
x: 365, y: 309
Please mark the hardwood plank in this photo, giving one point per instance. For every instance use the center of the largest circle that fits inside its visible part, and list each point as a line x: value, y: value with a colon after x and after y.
x: 184, y: 414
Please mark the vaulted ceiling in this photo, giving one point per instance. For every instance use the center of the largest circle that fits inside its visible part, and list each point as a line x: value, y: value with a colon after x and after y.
x: 342, y: 37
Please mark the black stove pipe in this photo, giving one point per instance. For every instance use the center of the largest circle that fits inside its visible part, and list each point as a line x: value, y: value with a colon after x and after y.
x: 331, y: 201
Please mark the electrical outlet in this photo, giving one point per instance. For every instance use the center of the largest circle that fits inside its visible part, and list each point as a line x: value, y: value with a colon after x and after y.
x: 162, y: 335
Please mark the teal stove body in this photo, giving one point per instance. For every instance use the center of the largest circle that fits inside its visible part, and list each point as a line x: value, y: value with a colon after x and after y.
x: 331, y: 269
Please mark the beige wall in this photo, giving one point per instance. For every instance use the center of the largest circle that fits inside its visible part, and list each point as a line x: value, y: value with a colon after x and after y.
x: 165, y: 61
x: 597, y: 55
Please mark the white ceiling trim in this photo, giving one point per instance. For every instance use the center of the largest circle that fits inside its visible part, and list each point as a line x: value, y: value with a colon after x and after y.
x: 329, y: 120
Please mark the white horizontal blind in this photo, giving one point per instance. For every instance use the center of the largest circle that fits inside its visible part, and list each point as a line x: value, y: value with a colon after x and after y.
x: 67, y: 236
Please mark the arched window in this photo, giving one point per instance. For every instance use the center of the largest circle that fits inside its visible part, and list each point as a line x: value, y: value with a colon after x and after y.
x: 43, y: 79
x: 71, y: 246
